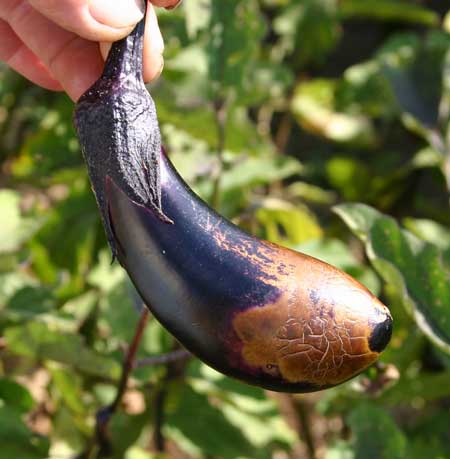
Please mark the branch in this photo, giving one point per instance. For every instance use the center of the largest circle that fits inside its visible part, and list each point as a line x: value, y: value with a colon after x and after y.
x: 296, y: 414
x: 175, y: 362
x: 164, y: 359
x: 101, y: 443
x: 128, y: 363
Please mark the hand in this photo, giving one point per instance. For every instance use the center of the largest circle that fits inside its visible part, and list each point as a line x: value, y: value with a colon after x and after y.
x: 55, y: 43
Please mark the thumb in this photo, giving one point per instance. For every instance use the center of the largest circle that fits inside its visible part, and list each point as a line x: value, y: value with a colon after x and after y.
x: 97, y: 20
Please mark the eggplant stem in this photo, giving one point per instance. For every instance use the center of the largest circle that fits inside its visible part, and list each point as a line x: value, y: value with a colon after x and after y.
x: 116, y: 66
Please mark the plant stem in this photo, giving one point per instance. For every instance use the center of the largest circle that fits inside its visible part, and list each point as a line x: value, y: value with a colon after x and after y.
x: 102, y: 441
x: 158, y: 437
x: 297, y: 417
x: 304, y: 420
x: 175, y: 368
x: 128, y: 363
x: 164, y: 359
x: 283, y: 133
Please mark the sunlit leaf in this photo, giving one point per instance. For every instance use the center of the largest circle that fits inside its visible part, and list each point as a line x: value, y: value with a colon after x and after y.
x: 17, y: 440
x: 285, y: 223
x: 69, y: 386
x: 36, y: 340
x: 309, y: 30
x: 414, y: 71
x: 389, y: 10
x: 15, y: 229
x: 223, y: 438
x: 313, y: 105
x: 262, y: 170
x: 232, y: 47
x: 197, y: 15
x: 14, y: 394
x: 415, y: 269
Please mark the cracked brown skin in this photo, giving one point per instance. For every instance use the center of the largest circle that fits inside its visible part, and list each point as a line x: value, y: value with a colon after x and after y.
x: 318, y: 331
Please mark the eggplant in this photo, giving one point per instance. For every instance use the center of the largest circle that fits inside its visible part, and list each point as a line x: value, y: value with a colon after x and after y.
x: 252, y: 310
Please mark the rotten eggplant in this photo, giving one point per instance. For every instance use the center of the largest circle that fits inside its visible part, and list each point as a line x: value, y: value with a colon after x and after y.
x: 252, y: 310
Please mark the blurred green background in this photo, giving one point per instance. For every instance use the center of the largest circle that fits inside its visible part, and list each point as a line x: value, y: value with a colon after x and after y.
x: 322, y: 125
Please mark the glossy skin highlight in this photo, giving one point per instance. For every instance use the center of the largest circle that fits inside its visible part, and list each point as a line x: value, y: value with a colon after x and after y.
x: 253, y: 310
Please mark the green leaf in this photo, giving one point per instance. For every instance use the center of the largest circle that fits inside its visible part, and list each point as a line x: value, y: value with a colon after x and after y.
x: 210, y: 434
x: 284, y: 223
x: 364, y: 87
x: 429, y: 231
x: 125, y: 431
x: 105, y: 275
x: 259, y: 170
x: 376, y: 436
x: 314, y: 107
x: 335, y: 252
x: 29, y: 302
x: 308, y: 31
x: 16, y: 440
x: 340, y: 450
x: 430, y: 435
x: 69, y: 385
x: 233, y: 45
x: 424, y: 387
x: 350, y: 176
x: 51, y: 148
x: 245, y: 407
x: 36, y: 340
x: 414, y: 71
x: 11, y: 284
x: 311, y: 193
x: 14, y: 394
x: 197, y: 16
x: 389, y: 10
x: 15, y: 229
x: 415, y: 269
x: 75, y: 221
x: 195, y: 128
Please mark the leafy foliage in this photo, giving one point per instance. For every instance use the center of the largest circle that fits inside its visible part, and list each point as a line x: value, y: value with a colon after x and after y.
x: 323, y: 125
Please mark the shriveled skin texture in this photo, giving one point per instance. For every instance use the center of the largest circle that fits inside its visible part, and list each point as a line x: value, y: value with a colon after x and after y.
x: 253, y: 310
x: 119, y: 132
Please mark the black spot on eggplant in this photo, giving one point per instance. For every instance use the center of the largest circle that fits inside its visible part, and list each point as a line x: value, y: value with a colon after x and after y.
x: 253, y: 310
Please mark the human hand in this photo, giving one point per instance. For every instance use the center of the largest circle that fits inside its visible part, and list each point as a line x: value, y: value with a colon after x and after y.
x: 55, y: 43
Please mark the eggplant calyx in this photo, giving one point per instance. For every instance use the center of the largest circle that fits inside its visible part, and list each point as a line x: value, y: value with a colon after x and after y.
x: 118, y: 129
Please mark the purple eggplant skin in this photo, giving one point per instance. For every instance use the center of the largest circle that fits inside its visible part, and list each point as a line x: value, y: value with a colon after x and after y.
x: 253, y: 310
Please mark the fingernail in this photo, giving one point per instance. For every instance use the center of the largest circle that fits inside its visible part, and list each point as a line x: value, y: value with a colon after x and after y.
x: 104, y: 49
x: 117, y: 13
